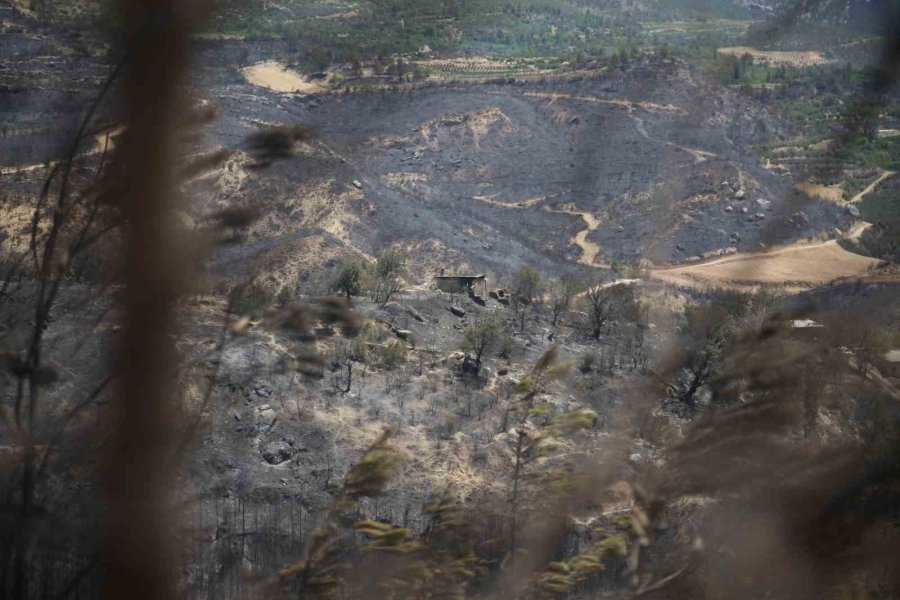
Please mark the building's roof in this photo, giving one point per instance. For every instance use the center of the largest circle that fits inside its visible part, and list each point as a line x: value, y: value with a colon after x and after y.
x: 892, y: 356
x: 805, y: 324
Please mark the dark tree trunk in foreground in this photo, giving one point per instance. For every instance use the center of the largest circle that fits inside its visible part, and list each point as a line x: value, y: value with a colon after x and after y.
x: 140, y: 563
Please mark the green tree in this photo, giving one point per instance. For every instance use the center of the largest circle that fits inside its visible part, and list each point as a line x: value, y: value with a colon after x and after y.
x: 483, y: 334
x: 523, y: 291
x: 607, y: 302
x: 249, y: 299
x: 389, y: 268
x: 561, y: 292
x: 349, y: 277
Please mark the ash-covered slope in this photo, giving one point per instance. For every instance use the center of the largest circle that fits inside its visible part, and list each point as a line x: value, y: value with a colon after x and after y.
x: 568, y: 173
x: 564, y: 174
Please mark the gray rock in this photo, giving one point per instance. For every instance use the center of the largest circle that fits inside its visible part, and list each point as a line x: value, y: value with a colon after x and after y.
x: 403, y: 334
x: 357, y: 184
x: 729, y: 208
x: 276, y: 453
x: 415, y: 314
x: 853, y: 211
x: 459, y: 312
x: 261, y: 388
x: 266, y: 419
x: 739, y: 195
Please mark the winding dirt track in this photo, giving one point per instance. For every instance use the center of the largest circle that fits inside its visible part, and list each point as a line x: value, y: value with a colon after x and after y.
x: 797, y: 266
x: 699, y: 155
x: 871, y: 187
x: 589, y: 250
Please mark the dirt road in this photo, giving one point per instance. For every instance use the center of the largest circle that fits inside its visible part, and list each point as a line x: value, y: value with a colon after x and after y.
x: 798, y: 267
x: 871, y: 187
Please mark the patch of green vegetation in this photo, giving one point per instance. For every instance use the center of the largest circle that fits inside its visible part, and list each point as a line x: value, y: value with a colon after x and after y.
x: 878, y: 152
x: 249, y: 300
x: 853, y: 186
x: 881, y: 207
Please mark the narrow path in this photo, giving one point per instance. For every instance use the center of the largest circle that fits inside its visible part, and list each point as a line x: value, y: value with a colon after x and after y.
x: 589, y: 250
x: 628, y: 105
x: 699, y: 155
x: 871, y: 187
x: 521, y: 203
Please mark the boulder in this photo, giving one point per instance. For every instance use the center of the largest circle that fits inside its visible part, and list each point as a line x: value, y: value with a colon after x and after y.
x: 415, y: 314
x: 266, y: 418
x: 459, y: 312
x: 261, y: 388
x: 853, y: 211
x: 478, y: 300
x: 739, y: 195
x: 276, y: 453
x: 403, y: 334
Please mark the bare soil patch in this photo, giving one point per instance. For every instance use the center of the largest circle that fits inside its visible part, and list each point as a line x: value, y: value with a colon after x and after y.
x: 797, y: 267
x: 829, y: 193
x: 278, y: 78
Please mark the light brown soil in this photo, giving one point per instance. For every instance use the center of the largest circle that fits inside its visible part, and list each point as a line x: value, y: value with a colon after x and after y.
x: 871, y: 187
x: 797, y: 267
x: 338, y: 16
x: 629, y: 105
x: 277, y: 78
x: 589, y: 250
x: 828, y: 193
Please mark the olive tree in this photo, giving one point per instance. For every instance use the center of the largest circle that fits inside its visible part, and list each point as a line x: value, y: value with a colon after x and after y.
x: 523, y: 291
x: 605, y: 303
x: 561, y: 292
x: 350, y: 276
x: 389, y: 268
x: 483, y: 334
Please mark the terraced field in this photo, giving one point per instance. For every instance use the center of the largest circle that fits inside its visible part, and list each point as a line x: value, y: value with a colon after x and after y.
x: 481, y: 67
x: 807, y: 58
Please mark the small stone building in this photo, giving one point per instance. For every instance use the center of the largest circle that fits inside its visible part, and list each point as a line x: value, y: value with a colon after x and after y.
x: 462, y: 284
